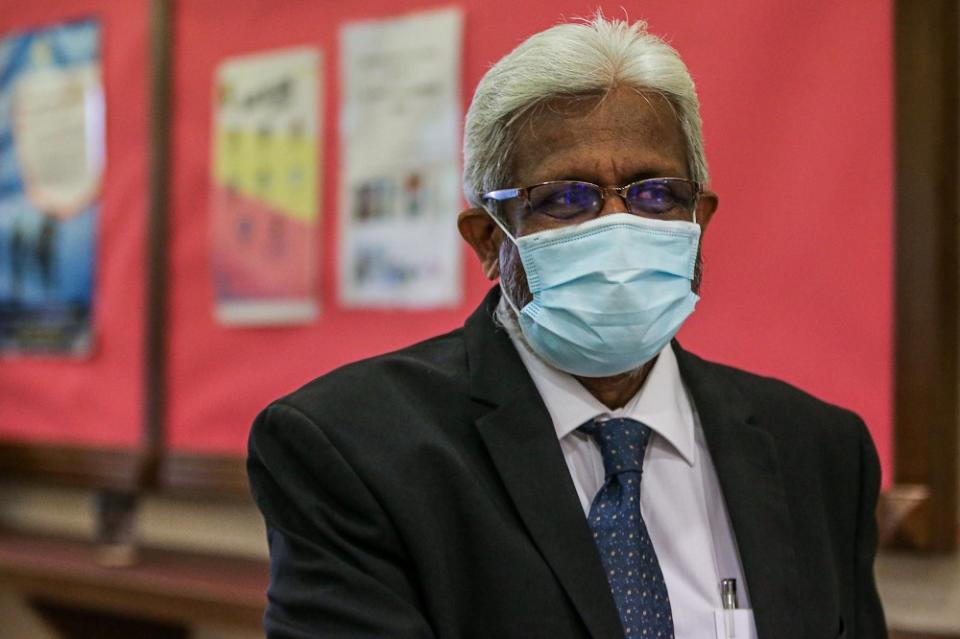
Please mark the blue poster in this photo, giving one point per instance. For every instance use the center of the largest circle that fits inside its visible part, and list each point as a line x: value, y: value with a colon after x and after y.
x: 51, y: 165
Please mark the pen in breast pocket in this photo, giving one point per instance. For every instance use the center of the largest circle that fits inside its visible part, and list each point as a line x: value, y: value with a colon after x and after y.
x: 728, y: 598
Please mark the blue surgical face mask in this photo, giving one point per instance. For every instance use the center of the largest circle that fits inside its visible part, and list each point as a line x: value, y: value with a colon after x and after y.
x: 608, y: 294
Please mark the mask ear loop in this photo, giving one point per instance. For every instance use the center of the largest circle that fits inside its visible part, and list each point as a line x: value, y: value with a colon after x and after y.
x: 696, y: 203
x: 514, y: 240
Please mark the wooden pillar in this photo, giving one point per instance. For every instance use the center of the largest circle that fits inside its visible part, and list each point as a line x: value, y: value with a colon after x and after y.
x: 920, y: 511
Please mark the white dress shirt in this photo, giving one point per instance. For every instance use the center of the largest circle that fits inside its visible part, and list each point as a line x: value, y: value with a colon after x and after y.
x: 680, y: 497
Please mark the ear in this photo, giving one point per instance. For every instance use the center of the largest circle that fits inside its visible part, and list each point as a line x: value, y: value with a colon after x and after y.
x: 706, y: 206
x: 484, y: 237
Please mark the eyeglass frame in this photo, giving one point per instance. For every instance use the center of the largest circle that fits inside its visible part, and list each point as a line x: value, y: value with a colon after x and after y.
x: 523, y: 192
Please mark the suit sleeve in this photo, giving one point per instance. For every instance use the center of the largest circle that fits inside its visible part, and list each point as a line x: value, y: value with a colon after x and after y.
x: 337, y: 566
x: 870, y: 623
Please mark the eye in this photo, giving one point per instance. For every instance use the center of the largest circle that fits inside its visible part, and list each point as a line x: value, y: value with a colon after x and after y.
x: 652, y: 197
x: 565, y: 200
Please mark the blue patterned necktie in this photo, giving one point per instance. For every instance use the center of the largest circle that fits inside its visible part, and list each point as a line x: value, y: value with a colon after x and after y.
x: 621, y: 535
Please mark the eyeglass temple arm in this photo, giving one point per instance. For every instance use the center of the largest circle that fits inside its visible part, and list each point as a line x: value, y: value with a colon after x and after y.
x: 499, y: 196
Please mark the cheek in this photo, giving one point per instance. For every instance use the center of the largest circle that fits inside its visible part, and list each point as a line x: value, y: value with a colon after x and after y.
x: 513, y: 279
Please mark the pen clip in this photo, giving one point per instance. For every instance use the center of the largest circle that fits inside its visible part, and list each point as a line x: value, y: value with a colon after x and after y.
x: 728, y: 593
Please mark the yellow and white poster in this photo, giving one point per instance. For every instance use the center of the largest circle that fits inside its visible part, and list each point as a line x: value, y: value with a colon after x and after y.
x: 265, y: 189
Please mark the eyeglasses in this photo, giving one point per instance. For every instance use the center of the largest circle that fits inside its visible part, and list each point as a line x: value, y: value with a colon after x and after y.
x: 574, y: 201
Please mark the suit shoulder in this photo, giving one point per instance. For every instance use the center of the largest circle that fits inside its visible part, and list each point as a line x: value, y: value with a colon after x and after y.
x: 772, y: 395
x: 435, y: 365
x: 808, y: 432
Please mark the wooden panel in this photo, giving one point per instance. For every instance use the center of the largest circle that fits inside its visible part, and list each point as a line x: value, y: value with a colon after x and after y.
x: 163, y: 585
x: 72, y: 623
x: 75, y: 466
x: 927, y: 318
x: 903, y: 516
x: 197, y: 475
x: 178, y: 474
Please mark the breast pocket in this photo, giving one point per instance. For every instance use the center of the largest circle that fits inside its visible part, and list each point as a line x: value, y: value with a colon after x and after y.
x: 735, y: 624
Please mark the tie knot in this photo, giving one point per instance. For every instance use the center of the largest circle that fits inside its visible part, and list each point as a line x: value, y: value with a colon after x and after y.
x: 622, y: 443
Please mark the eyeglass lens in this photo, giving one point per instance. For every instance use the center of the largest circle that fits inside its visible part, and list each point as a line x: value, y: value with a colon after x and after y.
x: 567, y: 200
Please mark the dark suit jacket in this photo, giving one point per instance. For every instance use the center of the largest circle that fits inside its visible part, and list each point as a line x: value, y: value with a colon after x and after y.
x: 423, y: 493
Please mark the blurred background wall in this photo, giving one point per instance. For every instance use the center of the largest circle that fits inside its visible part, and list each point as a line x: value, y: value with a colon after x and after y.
x: 121, y: 456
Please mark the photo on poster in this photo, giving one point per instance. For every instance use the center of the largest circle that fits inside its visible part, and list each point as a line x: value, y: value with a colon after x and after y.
x: 51, y: 166
x: 400, y: 178
x: 264, y: 192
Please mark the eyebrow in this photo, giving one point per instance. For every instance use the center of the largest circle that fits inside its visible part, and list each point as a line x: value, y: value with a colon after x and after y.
x: 634, y: 177
x: 646, y: 175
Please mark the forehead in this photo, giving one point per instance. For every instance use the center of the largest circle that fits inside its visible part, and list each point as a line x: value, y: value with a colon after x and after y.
x: 611, y: 139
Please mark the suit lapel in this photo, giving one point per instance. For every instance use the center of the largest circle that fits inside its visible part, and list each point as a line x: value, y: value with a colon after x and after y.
x: 522, y: 442
x: 745, y: 457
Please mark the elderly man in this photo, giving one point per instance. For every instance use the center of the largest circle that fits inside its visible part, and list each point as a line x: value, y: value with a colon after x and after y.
x: 560, y: 467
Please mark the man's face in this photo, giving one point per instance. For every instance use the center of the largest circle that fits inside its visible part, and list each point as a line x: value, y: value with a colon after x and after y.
x: 623, y: 137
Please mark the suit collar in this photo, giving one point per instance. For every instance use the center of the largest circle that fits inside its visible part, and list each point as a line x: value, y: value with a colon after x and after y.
x: 661, y: 403
x: 746, y: 460
x: 521, y: 440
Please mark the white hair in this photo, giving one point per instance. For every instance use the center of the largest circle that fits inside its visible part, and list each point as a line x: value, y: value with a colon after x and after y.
x: 576, y: 59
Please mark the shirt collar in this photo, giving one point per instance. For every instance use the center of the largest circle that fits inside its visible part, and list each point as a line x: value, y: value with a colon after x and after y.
x: 661, y: 403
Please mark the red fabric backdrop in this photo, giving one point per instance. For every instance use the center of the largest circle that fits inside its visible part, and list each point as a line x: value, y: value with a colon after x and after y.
x: 797, y: 104
x: 96, y: 400
x: 797, y: 107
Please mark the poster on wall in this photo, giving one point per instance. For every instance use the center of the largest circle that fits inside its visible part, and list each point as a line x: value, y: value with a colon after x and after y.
x: 264, y: 193
x: 400, y: 178
x: 51, y: 166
